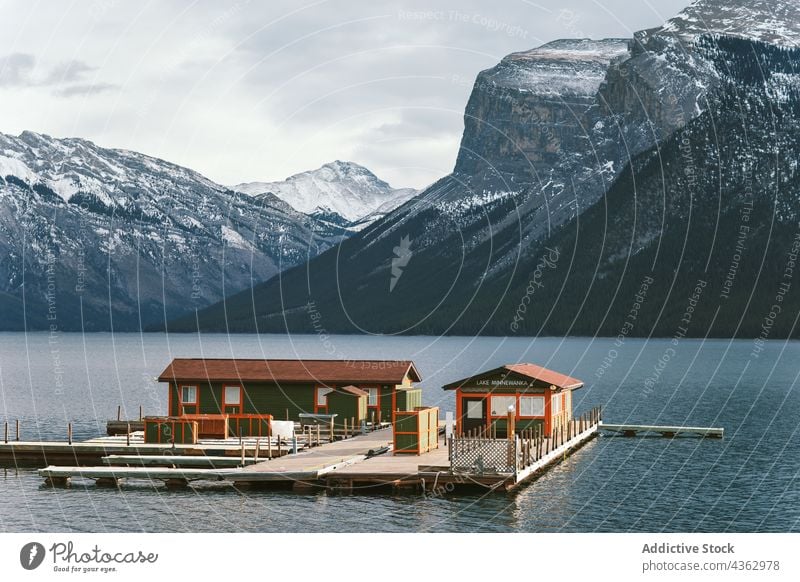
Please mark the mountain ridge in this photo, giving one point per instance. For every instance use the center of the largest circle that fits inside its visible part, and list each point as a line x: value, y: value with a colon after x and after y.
x: 118, y: 240
x: 533, y: 174
x: 346, y: 189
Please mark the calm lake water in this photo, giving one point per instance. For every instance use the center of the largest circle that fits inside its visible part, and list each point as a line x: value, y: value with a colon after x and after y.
x: 750, y: 481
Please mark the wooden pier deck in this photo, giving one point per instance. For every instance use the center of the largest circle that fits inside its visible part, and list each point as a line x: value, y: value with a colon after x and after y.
x: 183, y: 461
x: 466, y: 461
x: 309, y: 466
x: 306, y: 466
x: 343, y: 465
x: 92, y: 452
x: 666, y: 431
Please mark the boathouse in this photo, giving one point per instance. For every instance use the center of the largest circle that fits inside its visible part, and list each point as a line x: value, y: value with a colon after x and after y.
x: 533, y: 394
x: 362, y: 389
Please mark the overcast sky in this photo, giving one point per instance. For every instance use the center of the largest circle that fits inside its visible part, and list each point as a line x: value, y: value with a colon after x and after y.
x: 259, y: 90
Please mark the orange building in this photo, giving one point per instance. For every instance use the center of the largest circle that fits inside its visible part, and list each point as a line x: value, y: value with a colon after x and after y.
x: 539, y: 397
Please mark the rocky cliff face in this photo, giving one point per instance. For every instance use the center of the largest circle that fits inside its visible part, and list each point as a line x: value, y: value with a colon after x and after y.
x: 585, y: 167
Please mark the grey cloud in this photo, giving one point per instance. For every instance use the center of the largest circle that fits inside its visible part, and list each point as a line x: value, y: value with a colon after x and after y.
x: 16, y: 69
x: 67, y: 72
x: 84, y: 89
x: 68, y: 78
x: 383, y: 80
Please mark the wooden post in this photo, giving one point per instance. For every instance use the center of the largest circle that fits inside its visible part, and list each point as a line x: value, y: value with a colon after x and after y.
x: 373, y: 419
x: 287, y: 414
x: 6, y: 432
x: 318, y: 435
x: 242, y: 443
x: 128, y: 435
x: 17, y: 430
x: 258, y: 446
x: 269, y: 447
x: 119, y: 412
x: 333, y: 436
x: 279, y: 447
x: 69, y: 432
x: 352, y: 426
x: 510, y: 417
x: 345, y: 428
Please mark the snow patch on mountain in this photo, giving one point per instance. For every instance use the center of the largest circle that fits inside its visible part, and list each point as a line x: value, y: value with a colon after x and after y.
x: 772, y: 21
x: 343, y: 188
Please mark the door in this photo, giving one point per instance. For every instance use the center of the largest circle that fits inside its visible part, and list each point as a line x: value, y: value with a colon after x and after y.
x: 473, y: 414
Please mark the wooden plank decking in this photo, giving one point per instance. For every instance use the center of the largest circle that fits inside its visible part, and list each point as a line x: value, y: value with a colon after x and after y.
x: 185, y: 461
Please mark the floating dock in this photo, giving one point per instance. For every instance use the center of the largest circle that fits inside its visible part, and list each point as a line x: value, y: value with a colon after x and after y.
x: 362, y: 462
x: 665, y: 431
x: 358, y: 463
x: 93, y: 451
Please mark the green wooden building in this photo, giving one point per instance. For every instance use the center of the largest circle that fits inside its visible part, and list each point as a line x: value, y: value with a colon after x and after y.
x: 287, y: 388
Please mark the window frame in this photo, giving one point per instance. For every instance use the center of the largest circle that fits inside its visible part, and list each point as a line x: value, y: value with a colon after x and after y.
x: 195, y: 404
x: 238, y: 405
x: 556, y: 398
x: 504, y: 412
x: 321, y: 391
x: 376, y: 390
x: 531, y: 397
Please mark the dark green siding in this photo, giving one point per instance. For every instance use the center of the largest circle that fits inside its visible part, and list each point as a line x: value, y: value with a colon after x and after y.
x: 501, y: 425
x: 406, y: 442
x: 347, y: 406
x: 173, y: 399
x: 210, y: 398
x: 386, y: 403
x: 409, y: 399
x: 161, y: 431
x: 276, y: 400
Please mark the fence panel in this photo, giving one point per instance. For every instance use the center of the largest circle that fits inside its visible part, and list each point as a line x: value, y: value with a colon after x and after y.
x: 482, y: 455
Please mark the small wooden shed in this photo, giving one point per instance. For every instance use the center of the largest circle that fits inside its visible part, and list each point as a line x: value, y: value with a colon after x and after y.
x: 348, y: 403
x: 537, y: 396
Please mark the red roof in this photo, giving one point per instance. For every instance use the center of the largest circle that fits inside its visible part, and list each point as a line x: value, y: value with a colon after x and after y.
x: 531, y: 371
x: 290, y: 371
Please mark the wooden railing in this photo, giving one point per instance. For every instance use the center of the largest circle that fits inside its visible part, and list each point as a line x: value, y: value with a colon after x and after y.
x: 532, y: 445
x: 258, y: 425
x: 479, y: 451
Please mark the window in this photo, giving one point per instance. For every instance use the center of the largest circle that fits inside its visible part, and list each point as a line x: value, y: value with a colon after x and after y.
x: 373, y: 397
x: 531, y: 405
x: 475, y: 409
x: 555, y: 404
x: 189, y: 394
x: 233, y: 395
x: 500, y: 404
x: 322, y: 396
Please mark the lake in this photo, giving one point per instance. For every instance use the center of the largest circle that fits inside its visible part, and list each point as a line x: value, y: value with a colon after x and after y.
x: 747, y: 482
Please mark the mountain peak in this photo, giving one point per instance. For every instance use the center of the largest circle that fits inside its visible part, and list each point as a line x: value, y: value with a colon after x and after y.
x: 339, y: 187
x: 772, y: 21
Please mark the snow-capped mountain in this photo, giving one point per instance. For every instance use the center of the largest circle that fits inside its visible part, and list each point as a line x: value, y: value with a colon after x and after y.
x: 92, y: 238
x: 591, y: 174
x: 342, y: 189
